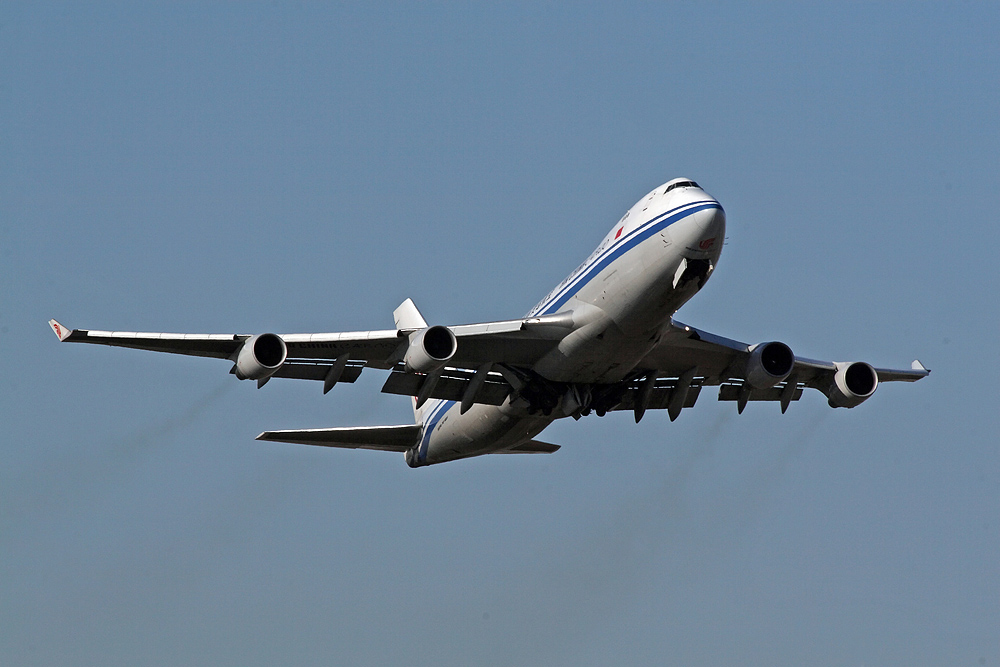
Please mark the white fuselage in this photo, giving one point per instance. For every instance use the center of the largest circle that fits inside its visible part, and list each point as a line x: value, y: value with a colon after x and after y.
x: 621, y: 298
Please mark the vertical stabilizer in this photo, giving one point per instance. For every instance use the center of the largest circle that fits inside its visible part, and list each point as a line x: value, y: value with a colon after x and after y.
x: 408, y: 317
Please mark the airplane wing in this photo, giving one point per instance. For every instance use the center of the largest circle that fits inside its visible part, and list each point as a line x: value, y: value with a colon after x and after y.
x: 340, y: 357
x: 517, y: 342
x: 691, y: 358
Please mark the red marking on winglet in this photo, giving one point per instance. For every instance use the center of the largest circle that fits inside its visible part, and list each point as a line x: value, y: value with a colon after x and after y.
x: 619, y: 233
x: 61, y: 331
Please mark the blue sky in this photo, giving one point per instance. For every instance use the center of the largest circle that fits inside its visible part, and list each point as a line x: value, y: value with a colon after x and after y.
x: 291, y: 168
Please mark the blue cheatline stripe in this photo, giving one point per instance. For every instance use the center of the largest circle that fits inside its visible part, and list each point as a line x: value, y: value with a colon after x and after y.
x: 436, y: 414
x: 614, y: 244
x: 615, y: 251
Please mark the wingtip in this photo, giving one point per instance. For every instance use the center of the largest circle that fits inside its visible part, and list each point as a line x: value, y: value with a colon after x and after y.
x: 917, y: 366
x: 60, y: 331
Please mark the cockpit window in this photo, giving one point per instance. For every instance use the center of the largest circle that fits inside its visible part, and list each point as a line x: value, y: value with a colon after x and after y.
x: 681, y: 184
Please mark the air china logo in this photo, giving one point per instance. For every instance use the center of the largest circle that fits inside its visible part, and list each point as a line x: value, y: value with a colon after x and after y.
x: 707, y: 243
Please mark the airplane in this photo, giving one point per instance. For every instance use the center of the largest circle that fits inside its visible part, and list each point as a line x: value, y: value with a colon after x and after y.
x: 603, y: 339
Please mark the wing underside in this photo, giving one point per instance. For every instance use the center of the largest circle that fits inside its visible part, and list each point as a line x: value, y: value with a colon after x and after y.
x: 712, y: 360
x: 332, y: 358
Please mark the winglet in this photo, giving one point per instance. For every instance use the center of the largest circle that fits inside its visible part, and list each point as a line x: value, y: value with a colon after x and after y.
x: 60, y: 330
x: 917, y: 366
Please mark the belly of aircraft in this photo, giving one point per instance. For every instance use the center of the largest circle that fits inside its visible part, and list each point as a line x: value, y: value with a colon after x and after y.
x: 481, y: 430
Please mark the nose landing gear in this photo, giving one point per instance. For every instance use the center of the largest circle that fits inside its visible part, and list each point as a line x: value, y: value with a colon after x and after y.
x: 696, y: 270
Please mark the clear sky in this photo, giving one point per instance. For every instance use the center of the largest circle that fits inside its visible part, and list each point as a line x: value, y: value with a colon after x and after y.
x: 306, y: 167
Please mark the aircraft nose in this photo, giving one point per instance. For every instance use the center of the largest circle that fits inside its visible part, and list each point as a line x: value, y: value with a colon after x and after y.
x: 714, y: 224
x: 704, y: 231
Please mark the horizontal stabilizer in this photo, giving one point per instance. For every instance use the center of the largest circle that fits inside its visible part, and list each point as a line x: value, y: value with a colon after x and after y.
x: 381, y: 438
x: 531, y: 447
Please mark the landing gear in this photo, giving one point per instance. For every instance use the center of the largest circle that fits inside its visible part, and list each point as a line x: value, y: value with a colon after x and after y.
x: 538, y: 396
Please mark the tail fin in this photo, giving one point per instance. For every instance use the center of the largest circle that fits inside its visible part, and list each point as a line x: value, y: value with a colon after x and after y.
x: 407, y: 316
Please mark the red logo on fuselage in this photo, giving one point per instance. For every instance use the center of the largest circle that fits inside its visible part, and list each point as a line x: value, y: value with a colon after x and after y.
x: 619, y: 233
x: 707, y: 243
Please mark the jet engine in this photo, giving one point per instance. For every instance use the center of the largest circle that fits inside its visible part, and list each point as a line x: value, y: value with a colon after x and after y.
x: 769, y: 364
x: 853, y: 383
x: 430, y: 349
x: 260, y: 357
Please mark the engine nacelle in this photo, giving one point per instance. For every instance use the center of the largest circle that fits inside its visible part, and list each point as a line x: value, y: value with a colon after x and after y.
x: 853, y: 384
x: 769, y: 364
x: 260, y: 357
x: 430, y: 349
